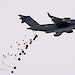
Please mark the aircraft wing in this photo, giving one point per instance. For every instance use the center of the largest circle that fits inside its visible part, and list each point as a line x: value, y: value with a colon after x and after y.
x: 60, y: 22
x: 56, y: 20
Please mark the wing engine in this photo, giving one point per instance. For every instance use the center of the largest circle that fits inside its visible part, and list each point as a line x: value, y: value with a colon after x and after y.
x: 58, y: 33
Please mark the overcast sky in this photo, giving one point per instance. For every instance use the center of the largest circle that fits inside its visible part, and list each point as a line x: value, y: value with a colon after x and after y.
x: 48, y: 55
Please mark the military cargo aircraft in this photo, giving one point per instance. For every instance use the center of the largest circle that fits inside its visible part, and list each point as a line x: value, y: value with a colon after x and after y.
x: 59, y: 25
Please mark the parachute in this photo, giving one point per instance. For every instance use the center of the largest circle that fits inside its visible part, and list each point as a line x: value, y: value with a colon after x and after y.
x: 14, y: 54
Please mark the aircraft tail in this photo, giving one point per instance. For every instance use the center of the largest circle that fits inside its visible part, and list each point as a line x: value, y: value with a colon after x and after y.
x: 28, y: 20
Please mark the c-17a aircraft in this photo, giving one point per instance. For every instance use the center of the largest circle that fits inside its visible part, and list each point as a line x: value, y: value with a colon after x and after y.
x: 59, y: 25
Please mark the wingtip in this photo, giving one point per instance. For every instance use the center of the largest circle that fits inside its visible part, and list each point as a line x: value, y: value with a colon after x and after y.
x: 47, y: 13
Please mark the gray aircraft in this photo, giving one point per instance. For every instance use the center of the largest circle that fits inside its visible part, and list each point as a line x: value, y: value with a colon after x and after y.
x: 59, y: 25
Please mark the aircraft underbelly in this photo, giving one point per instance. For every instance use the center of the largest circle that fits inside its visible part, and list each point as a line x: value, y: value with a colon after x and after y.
x: 48, y: 29
x: 43, y: 28
x: 65, y: 29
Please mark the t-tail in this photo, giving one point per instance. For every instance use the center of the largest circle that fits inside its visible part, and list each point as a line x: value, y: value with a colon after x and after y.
x: 27, y: 19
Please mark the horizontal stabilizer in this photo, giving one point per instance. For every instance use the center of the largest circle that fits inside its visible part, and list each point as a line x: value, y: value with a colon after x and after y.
x: 28, y: 20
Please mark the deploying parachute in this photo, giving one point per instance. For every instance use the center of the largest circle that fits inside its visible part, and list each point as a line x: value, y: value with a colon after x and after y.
x: 15, y: 52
